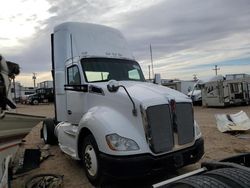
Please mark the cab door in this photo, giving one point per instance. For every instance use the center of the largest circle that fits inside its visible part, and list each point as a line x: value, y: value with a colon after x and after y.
x: 75, y: 95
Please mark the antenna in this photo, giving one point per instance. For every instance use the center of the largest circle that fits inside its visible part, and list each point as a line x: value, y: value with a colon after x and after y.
x: 149, y: 72
x: 151, y: 59
x: 71, y: 47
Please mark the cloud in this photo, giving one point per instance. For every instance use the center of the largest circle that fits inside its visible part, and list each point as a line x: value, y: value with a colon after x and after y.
x: 20, y: 18
x: 33, y: 54
x: 190, y: 32
x: 179, y: 24
x: 26, y: 78
x: 184, y: 33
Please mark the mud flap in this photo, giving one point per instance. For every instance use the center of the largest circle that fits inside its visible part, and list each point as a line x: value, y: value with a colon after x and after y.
x: 10, y: 104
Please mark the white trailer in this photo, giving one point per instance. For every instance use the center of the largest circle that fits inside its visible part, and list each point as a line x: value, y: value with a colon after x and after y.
x: 184, y: 86
x: 107, y: 115
x: 225, y: 92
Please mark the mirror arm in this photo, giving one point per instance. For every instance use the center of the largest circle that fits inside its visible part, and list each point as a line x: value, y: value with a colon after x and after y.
x: 113, y: 86
x: 134, y: 111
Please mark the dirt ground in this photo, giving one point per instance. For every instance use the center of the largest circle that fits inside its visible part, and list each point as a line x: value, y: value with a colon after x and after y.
x: 217, y: 146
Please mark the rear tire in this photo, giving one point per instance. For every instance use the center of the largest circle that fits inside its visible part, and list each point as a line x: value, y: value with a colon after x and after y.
x: 199, y: 182
x: 223, y: 178
x: 232, y: 176
x: 48, y: 132
x: 90, y: 158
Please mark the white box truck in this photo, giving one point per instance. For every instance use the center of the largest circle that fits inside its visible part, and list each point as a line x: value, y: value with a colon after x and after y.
x: 107, y: 115
x: 195, y: 94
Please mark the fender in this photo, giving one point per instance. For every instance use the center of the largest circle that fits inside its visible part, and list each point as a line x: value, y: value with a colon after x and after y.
x: 101, y: 121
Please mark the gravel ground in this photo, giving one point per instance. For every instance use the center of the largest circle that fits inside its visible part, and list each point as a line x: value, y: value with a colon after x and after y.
x: 217, y: 146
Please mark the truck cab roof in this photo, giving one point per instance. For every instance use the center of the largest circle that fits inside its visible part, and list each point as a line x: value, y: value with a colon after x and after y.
x: 91, y: 40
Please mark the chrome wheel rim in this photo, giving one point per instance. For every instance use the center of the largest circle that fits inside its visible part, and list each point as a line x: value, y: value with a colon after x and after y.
x: 90, y: 160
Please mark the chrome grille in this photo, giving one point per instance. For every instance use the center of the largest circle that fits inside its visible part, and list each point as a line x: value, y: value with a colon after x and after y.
x: 185, y: 123
x: 160, y: 137
x: 163, y: 121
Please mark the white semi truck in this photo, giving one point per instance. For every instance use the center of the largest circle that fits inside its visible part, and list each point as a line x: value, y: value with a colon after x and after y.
x: 107, y: 115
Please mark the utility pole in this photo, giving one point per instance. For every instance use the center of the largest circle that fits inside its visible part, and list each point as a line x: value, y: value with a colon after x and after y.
x: 216, y: 69
x: 151, y: 60
x: 195, y: 77
x: 149, y: 72
x: 34, y: 79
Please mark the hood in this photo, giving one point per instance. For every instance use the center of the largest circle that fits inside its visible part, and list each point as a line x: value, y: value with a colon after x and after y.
x: 149, y: 94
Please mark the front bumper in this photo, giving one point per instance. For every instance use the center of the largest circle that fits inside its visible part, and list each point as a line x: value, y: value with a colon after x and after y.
x: 145, y: 164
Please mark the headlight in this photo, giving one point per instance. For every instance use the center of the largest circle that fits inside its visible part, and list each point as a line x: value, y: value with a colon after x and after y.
x: 197, y: 131
x: 118, y: 143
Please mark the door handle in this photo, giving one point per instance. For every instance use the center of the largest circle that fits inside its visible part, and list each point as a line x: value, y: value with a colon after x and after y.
x: 69, y: 112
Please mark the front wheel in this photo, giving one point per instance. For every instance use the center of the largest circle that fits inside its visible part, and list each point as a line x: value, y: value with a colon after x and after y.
x: 90, y: 157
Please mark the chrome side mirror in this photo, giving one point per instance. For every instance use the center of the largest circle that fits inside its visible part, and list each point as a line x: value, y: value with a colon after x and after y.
x: 157, y: 79
x: 113, y: 86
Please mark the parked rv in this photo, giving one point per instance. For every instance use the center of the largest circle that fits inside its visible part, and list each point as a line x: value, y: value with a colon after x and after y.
x: 107, y: 115
x: 222, y: 91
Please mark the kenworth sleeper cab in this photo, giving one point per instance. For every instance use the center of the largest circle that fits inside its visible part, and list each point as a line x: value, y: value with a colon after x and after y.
x: 107, y: 115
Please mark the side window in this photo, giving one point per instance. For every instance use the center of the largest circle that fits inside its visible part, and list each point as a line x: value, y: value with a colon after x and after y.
x: 73, y: 76
x: 133, y: 74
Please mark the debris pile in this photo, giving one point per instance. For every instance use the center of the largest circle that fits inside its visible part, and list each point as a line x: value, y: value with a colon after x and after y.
x: 232, y: 122
x: 45, y: 181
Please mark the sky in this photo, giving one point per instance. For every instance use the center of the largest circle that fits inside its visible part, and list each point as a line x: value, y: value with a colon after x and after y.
x: 187, y: 36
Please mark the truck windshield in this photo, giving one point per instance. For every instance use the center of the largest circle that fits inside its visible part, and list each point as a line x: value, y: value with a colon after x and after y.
x: 105, y: 69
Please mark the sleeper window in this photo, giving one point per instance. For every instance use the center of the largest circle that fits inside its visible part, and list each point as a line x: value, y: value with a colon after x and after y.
x: 73, y: 75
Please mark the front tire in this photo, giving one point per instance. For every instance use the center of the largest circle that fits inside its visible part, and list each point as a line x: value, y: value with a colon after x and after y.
x: 48, y: 132
x: 90, y: 157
